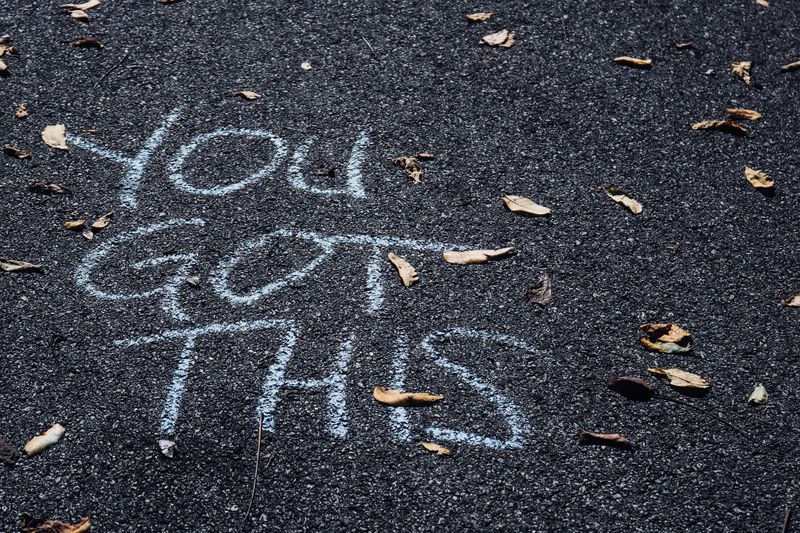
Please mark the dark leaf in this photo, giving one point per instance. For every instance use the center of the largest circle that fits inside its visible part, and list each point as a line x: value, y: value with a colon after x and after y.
x: 48, y: 188
x: 541, y: 292
x: 16, y: 151
x: 632, y: 388
x: 86, y: 42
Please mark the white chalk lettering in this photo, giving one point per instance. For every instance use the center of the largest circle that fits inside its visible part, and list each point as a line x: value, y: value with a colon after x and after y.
x: 353, y: 187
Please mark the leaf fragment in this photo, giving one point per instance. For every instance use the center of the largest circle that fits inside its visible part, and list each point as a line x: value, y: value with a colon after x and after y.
x: 306, y: 65
x: 55, y: 136
x: 540, y: 293
x: 502, y: 39
x: 40, y: 525
x: 681, y: 379
x: 87, y: 234
x: 102, y: 222
x: 40, y: 443
x: 411, y: 166
x: 396, y: 398
x: 743, y: 114
x: 407, y: 272
x: 684, y: 45
x: 42, y: 187
x: 248, y: 95
x: 194, y: 281
x: 435, y: 448
x: 616, y: 194
x: 633, y: 62
x: 74, y: 224
x: 789, y: 67
x: 79, y: 15
x: 742, y: 70
x: 21, y: 112
x: 665, y: 338
x: 167, y: 447
x: 87, y: 41
x: 587, y: 438
x: 12, y: 265
x: 758, y: 396
x: 8, y: 454
x: 728, y: 126
x: 758, y: 178
x: 3, y: 66
x: 425, y: 156
x: 631, y: 387
x: 480, y: 17
x: 792, y: 301
x: 16, y: 151
x: 90, y: 4
x: 762, y: 3
x: 524, y: 206
x: 474, y: 257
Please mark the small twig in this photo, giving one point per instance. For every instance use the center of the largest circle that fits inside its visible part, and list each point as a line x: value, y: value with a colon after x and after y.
x: 370, y: 46
x: 112, y: 69
x: 258, y: 459
x: 705, y: 411
x: 787, y: 519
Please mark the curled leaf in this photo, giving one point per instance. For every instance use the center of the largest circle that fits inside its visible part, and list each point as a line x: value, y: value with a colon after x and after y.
x: 789, y: 67
x: 633, y: 62
x: 40, y: 525
x: 502, y: 38
x: 87, y: 234
x: 681, y: 379
x: 398, y: 399
x: 758, y: 178
x: 42, y: 187
x: 248, y: 95
x: 758, y: 396
x: 742, y: 70
x: 21, y: 112
x: 473, y: 257
x: 762, y: 3
x: 91, y: 4
x: 40, y: 443
x: 743, y: 114
x: 665, y: 338
x: 55, y: 136
x: 479, y: 17
x: 411, y: 166
x: 87, y: 41
x: 616, y: 194
x: 728, y: 126
x: 541, y: 293
x: 435, y: 448
x: 102, y: 222
x: 524, y: 206
x: 167, y: 448
x: 79, y: 15
x: 631, y: 387
x: 12, y: 265
x: 604, y: 439
x: 793, y: 301
x: 407, y: 272
x: 16, y: 151
x: 74, y: 224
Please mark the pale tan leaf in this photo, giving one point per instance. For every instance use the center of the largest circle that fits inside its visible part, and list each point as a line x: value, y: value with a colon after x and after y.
x: 665, y: 338
x: 16, y: 151
x: 680, y: 379
x: 607, y: 439
x: 479, y: 17
x: 758, y: 178
x: 435, y: 448
x: 398, y: 399
x: 87, y: 41
x: 39, y: 525
x: 3, y: 65
x: 306, y: 65
x: 502, y: 38
x: 743, y: 114
x: 742, y: 70
x: 22, y: 112
x: 248, y: 95
x: 633, y: 62
x: 42, y: 442
x: 88, y: 234
x: 407, y: 273
x: 91, y: 4
x: 728, y: 126
x: 622, y: 198
x: 525, y: 206
x: 758, y: 396
x: 55, y: 136
x: 103, y: 221
x: 792, y: 301
x: 473, y: 257
x: 788, y: 67
x: 79, y: 15
x: 762, y: 3
x: 74, y: 224
x: 12, y: 265
x: 411, y: 166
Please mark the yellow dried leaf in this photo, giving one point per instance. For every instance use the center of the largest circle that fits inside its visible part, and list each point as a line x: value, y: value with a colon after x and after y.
x: 74, y: 224
x: 473, y: 257
x: 435, y: 448
x: 79, y: 15
x: 622, y: 198
x: 12, y: 265
x: 502, y: 38
x: 103, y: 221
x: 479, y: 17
x: 744, y: 114
x: 398, y: 399
x: 525, y: 206
x: 39, y: 525
x: 758, y: 178
x: 91, y: 4
x: 248, y: 95
x: 680, y: 379
x: 55, y: 136
x: 22, y: 112
x: 633, y: 62
x: 793, y: 301
x: 404, y: 268
x: 788, y: 67
x: 665, y: 338
x: 411, y: 166
x: 742, y: 70
x: 40, y: 443
x: 728, y: 126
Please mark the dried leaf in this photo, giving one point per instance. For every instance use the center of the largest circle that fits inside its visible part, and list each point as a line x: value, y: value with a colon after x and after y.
x: 3, y: 66
x: 665, y: 338
x: 399, y: 399
x: 789, y: 67
x: 39, y: 525
x: 40, y: 443
x: 728, y: 126
x: 167, y: 448
x: 525, y: 206
x: 404, y: 268
x: 88, y: 234
x: 762, y: 3
x: 758, y: 396
x: 603, y: 439
x: 48, y: 188
x: 55, y: 136
x: 22, y: 112
x: 680, y: 379
x: 540, y: 293
x: 8, y: 454
x: 103, y: 221
x: 306, y: 65
x: 248, y: 95
x: 502, y: 38
x: 633, y: 62
x: 479, y: 17
x: 684, y: 46
x: 793, y: 301
x: 742, y: 70
x: 474, y: 257
x: 631, y: 387
x: 17, y: 152
x: 12, y: 265
x: 89, y: 132
x: 436, y: 448
x: 622, y: 198
x: 758, y: 178
x: 194, y: 281
x: 411, y: 166
x: 326, y: 170
x: 91, y: 4
x: 424, y: 156
x: 743, y: 114
x: 87, y: 41
x: 79, y: 15
x: 74, y: 224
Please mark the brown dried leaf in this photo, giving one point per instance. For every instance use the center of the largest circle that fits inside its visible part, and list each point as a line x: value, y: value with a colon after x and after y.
x: 411, y: 166
x: 87, y: 41
x: 502, y: 38
x: 758, y: 178
x: 55, y: 136
x: 633, y: 62
x: 74, y: 224
x: 793, y: 301
x: 541, y: 293
x: 22, y: 112
x: 728, y: 126
x: 474, y: 257
x: 79, y: 15
x: 48, y: 188
x: 603, y: 439
x: 91, y: 4
x: 248, y: 95
x: 40, y: 525
x: 40, y: 443
x: 524, y: 206
x: 436, y: 448
x: 407, y: 272
x: 789, y: 67
x: 16, y: 151
x: 8, y: 454
x: 479, y: 17
x: 681, y: 379
x: 399, y: 399
x: 102, y: 222
x: 12, y: 265
x: 631, y: 387
x: 743, y: 114
x: 622, y: 198
x: 665, y: 338
x: 742, y: 70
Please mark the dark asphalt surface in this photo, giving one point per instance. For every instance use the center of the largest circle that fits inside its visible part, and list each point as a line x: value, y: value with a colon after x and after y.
x: 551, y: 118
